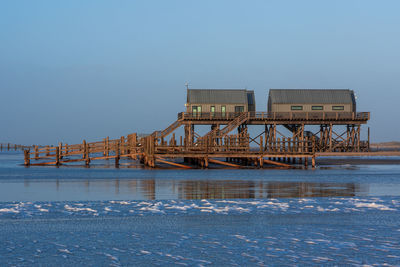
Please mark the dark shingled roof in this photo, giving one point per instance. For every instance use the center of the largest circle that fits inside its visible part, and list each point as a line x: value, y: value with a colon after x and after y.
x: 311, y: 96
x: 217, y: 96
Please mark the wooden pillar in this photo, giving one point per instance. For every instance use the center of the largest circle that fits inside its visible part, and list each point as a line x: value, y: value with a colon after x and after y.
x: 27, y: 160
x: 47, y: 151
x: 122, y: 145
x: 60, y: 150
x: 87, y: 154
x: 117, y: 154
x: 36, y: 152
x: 313, y: 161
x: 104, y: 147
x: 368, y: 147
x: 107, y: 146
x: 84, y: 149
x: 284, y: 148
x: 358, y: 137
x: 57, y: 156
x: 66, y: 149
x: 330, y: 137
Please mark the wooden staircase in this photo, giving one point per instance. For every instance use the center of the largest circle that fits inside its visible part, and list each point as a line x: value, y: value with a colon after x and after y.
x: 239, y: 120
x: 168, y: 130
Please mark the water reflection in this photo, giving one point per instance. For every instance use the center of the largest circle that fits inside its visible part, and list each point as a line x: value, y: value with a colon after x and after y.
x: 153, y: 189
x: 250, y: 189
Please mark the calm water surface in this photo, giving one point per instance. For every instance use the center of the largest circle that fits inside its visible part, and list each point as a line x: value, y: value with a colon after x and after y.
x: 75, y: 183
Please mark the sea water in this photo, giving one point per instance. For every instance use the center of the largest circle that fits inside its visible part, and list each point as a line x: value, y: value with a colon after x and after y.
x: 102, y: 216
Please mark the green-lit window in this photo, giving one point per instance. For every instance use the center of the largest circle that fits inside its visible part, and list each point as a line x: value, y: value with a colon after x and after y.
x: 212, y: 111
x: 317, y: 108
x: 196, y: 110
x: 337, y: 107
x: 296, y: 107
x: 223, y: 111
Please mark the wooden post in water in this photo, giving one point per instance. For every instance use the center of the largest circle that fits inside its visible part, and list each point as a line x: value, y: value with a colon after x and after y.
x: 117, y: 155
x: 57, y: 156
x: 8, y: 147
x: 108, y: 146
x: 313, y: 161
x: 104, y: 147
x: 27, y: 161
x: 84, y: 149
x: 122, y: 145
x: 284, y: 148
x: 60, y: 150
x: 368, y: 148
x: 87, y: 155
x: 134, y: 145
x: 36, y: 152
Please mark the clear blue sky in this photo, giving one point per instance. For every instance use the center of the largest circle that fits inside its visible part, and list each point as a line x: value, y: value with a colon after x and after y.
x: 87, y: 69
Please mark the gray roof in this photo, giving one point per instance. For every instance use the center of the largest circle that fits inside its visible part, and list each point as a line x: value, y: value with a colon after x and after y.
x: 311, y: 96
x: 217, y: 96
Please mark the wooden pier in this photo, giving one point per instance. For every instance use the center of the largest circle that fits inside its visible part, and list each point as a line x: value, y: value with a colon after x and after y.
x: 221, y: 147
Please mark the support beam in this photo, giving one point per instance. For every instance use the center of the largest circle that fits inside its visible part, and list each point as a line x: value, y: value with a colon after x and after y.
x: 223, y: 163
x: 173, y: 163
x: 277, y: 163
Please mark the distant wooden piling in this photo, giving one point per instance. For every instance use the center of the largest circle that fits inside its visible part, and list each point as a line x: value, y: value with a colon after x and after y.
x: 26, y: 158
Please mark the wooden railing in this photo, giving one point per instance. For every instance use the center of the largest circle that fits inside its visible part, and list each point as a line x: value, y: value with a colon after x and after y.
x: 359, y: 116
x: 15, y: 147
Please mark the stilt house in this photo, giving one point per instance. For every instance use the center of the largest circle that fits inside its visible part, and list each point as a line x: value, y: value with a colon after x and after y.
x: 219, y: 101
x: 311, y: 100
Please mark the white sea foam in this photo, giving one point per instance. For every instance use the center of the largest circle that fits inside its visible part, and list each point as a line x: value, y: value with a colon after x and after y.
x: 372, y: 205
x: 69, y: 208
x: 12, y: 210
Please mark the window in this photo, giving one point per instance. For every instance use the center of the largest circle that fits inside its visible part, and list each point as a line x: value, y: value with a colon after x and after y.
x: 296, y: 107
x: 223, y: 111
x: 196, y: 110
x: 239, y: 108
x: 337, y: 107
x: 212, y: 111
x: 317, y: 108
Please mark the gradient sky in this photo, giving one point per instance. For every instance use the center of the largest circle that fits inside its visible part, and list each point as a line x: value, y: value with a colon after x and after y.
x: 73, y: 70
